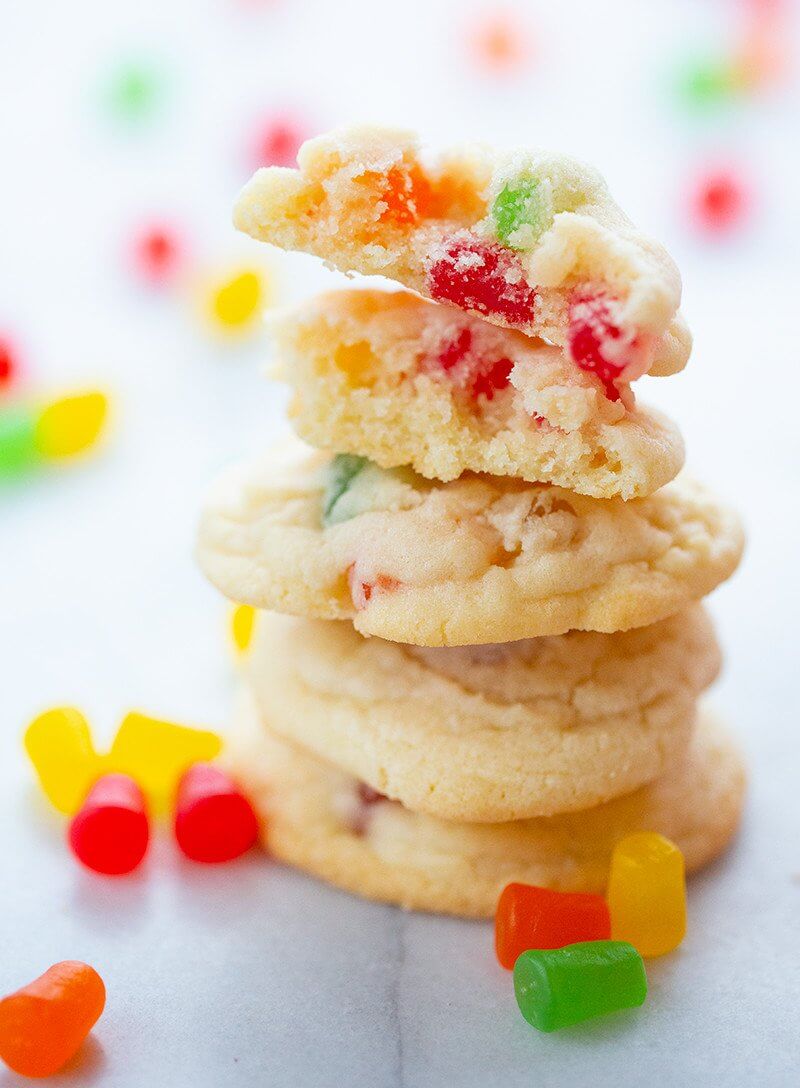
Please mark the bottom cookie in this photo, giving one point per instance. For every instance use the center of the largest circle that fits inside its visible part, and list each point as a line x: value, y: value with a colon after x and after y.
x: 326, y: 822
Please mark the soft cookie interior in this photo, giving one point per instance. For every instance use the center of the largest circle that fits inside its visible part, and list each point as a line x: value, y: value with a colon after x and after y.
x: 525, y: 239
x: 405, y: 382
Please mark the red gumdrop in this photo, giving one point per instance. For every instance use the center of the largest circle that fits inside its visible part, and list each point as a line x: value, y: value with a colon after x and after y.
x: 8, y: 363
x: 719, y: 201
x: 483, y: 379
x: 487, y: 382
x: 278, y: 141
x: 451, y: 352
x: 111, y: 832
x: 484, y: 277
x: 157, y: 253
x: 596, y: 341
x: 214, y: 821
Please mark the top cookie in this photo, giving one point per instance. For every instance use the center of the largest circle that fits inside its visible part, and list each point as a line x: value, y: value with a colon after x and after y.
x: 403, y: 381
x: 481, y: 559
x: 526, y: 239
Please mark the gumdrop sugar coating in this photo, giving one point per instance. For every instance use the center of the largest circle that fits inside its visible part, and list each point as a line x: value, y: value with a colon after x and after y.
x: 525, y: 239
x: 404, y: 381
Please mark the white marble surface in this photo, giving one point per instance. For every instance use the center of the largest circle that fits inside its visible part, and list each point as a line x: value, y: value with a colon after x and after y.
x: 252, y: 974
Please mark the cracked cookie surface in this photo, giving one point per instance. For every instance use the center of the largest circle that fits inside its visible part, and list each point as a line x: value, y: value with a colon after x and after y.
x: 480, y: 559
x: 488, y: 733
x: 320, y: 819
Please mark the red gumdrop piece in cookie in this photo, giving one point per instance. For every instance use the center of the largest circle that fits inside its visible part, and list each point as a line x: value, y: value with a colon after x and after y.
x: 453, y: 351
x: 483, y: 379
x: 597, y: 342
x: 111, y: 832
x: 484, y: 277
x: 362, y: 587
x: 488, y: 381
x: 214, y: 821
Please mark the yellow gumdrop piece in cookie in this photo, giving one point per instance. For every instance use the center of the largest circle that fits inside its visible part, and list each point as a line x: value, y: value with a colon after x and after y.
x: 59, y: 745
x: 70, y: 425
x: 156, y: 753
x: 243, y: 618
x: 357, y: 362
x: 238, y: 301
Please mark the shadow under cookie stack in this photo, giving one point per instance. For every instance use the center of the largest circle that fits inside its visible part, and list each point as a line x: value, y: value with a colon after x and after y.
x: 483, y: 646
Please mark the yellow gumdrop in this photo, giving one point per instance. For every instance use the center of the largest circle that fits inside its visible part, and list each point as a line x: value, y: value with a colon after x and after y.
x: 59, y: 745
x: 238, y: 301
x: 243, y: 618
x: 156, y: 753
x: 647, y: 893
x: 357, y: 362
x: 71, y: 424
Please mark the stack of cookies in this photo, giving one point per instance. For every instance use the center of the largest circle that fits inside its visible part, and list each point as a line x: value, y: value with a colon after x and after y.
x: 483, y: 647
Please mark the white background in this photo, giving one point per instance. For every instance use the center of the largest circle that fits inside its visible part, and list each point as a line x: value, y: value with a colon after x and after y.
x: 251, y: 974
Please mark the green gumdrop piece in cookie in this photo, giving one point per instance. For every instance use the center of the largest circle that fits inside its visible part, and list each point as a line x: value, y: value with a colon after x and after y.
x: 521, y: 209
x: 342, y: 470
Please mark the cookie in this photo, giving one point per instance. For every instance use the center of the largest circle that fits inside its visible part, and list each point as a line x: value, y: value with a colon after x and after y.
x: 488, y: 733
x: 479, y: 559
x: 322, y: 820
x: 526, y: 239
x: 407, y: 382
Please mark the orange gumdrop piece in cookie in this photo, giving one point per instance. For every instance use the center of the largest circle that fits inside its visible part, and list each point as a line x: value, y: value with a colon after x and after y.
x: 453, y: 196
x: 407, y: 195
x: 43, y: 1024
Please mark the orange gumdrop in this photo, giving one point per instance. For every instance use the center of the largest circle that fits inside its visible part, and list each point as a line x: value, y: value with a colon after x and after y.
x: 456, y: 195
x: 43, y: 1024
x: 531, y: 917
x: 407, y: 195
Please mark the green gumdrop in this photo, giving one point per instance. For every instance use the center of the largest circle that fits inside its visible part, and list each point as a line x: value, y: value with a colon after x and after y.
x: 18, y: 450
x: 342, y: 470
x: 520, y: 205
x: 135, y: 90
x: 706, y: 82
x: 558, y: 987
